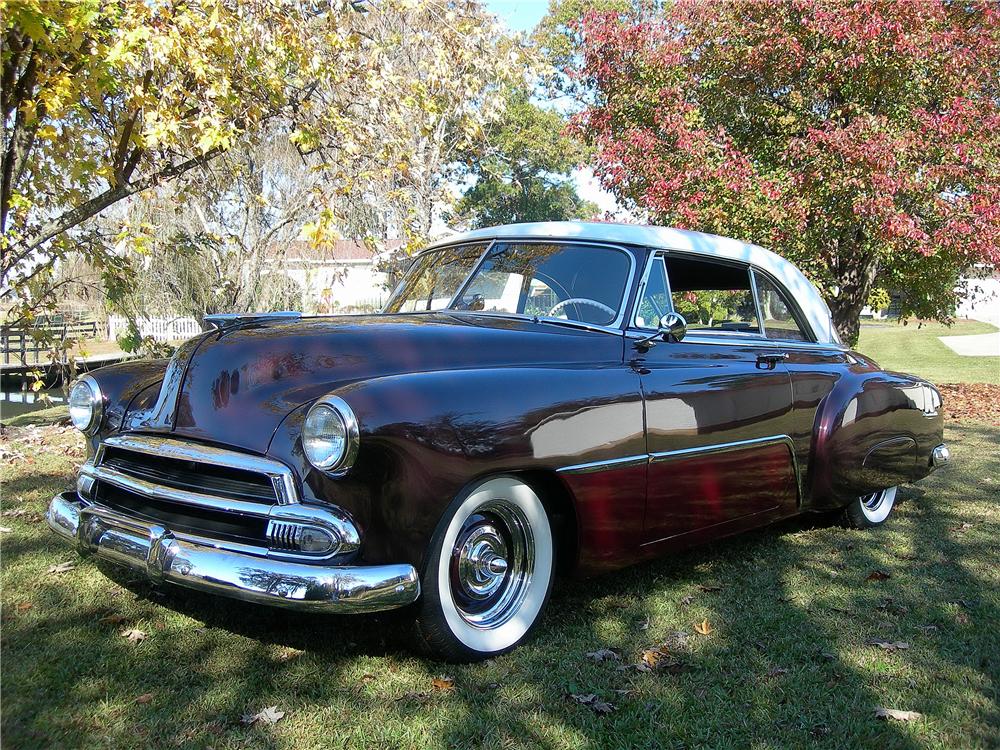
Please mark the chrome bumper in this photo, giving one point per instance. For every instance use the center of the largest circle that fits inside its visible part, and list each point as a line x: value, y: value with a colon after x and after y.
x: 167, y: 558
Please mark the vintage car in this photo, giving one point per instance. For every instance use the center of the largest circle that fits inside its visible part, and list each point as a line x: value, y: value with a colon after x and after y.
x: 534, y: 399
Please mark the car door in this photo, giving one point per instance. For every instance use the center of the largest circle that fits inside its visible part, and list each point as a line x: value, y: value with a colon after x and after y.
x: 717, y: 404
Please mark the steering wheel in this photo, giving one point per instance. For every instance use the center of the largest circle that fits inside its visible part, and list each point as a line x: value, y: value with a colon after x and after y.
x: 581, y: 301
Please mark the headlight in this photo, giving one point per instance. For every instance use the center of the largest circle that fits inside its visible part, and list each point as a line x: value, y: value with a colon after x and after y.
x: 330, y: 435
x: 86, y: 405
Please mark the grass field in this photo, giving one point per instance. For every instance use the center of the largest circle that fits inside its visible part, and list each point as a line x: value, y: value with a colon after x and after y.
x: 916, y: 349
x: 787, y: 660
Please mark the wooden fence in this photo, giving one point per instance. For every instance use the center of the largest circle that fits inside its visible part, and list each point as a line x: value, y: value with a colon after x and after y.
x: 19, y: 345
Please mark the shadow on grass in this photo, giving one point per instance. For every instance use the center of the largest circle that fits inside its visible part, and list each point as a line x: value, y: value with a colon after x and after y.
x: 785, y: 664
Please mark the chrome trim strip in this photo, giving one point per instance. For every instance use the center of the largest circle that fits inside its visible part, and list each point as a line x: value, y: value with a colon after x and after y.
x: 756, y: 303
x: 660, y: 456
x: 168, y: 558
x: 281, y: 476
x: 736, y: 445
x: 612, y: 463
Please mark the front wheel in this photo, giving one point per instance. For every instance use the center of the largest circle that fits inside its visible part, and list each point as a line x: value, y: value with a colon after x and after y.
x: 870, y: 510
x: 489, y: 572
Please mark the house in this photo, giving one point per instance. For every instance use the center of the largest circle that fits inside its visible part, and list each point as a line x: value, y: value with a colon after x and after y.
x: 339, y: 277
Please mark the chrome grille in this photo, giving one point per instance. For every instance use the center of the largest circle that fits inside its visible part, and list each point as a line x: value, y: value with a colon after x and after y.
x: 175, y: 471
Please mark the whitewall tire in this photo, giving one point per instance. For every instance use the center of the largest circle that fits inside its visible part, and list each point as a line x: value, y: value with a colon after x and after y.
x: 488, y: 573
x: 871, y: 510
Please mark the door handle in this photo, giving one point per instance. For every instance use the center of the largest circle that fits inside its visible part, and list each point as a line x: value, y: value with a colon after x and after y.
x: 770, y: 361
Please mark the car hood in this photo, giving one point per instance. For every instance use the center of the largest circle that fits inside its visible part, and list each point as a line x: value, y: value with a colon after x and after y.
x: 235, y: 386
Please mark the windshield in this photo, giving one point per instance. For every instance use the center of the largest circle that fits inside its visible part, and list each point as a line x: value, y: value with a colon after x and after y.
x: 575, y: 282
x: 434, y: 278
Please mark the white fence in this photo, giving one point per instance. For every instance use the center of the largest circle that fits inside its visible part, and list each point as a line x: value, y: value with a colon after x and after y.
x: 161, y: 329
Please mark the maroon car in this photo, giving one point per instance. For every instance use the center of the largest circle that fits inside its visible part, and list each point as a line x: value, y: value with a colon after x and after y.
x: 534, y: 398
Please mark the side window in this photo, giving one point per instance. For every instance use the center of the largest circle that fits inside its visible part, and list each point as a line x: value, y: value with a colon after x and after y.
x: 712, y: 296
x: 655, y: 300
x: 779, y: 320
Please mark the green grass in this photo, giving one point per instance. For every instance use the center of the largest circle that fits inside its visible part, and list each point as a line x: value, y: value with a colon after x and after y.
x: 916, y: 349
x: 785, y: 665
x: 48, y: 416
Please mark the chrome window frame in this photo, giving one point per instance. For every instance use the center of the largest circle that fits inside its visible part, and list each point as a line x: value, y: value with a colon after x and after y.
x: 729, y: 338
x: 800, y: 320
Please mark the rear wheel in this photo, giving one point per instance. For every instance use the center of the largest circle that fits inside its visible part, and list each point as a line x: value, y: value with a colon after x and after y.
x: 489, y: 572
x: 871, y: 510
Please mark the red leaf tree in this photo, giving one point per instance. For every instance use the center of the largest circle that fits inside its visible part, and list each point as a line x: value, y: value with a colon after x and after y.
x: 861, y: 140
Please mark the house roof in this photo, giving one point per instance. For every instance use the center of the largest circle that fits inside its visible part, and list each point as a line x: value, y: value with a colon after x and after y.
x: 338, y: 251
x: 681, y: 240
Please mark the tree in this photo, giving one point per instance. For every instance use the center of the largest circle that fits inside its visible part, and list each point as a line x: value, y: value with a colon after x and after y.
x: 861, y: 140
x: 521, y: 170
x: 215, y: 240
x: 104, y: 101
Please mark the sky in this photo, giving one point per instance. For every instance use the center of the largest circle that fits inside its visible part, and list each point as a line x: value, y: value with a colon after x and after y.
x: 519, y: 15
x: 524, y: 15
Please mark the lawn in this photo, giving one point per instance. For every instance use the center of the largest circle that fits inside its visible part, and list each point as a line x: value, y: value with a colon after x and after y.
x: 789, y: 614
x: 915, y: 348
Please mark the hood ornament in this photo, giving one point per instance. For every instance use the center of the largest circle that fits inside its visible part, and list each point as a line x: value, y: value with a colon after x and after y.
x: 222, y: 321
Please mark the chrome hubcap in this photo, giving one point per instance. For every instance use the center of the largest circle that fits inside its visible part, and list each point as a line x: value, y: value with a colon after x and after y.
x: 482, y: 562
x: 491, y: 564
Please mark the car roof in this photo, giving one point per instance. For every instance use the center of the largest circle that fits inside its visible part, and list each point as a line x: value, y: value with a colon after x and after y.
x: 681, y: 240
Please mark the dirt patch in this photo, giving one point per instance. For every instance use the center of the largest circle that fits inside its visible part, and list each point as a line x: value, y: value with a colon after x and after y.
x: 971, y: 401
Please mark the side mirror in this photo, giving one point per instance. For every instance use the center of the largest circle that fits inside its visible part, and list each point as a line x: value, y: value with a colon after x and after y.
x: 673, y: 327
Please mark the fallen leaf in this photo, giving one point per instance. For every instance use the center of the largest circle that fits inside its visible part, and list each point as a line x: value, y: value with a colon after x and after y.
x: 5, y: 529
x: 928, y: 628
x: 889, y: 646
x: 878, y: 575
x: 892, y: 713
x: 703, y: 627
x: 963, y: 527
x: 17, y: 512
x: 686, y: 601
x: 133, y: 635
x: 420, y: 697
x: 269, y: 715
x: 603, y: 654
x: 643, y: 624
x: 828, y: 656
x: 962, y: 618
x: 593, y: 702
x: 145, y: 698
x: 709, y: 588
x: 776, y: 671
x: 444, y: 684
x: 65, y: 567
x: 112, y: 619
x: 24, y: 606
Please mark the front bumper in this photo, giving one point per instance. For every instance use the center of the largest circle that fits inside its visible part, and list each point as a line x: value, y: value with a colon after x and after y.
x: 197, y: 564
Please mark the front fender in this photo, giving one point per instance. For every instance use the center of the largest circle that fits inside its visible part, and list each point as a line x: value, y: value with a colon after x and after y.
x: 425, y: 436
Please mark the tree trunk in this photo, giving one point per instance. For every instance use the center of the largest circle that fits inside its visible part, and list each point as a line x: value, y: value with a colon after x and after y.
x: 846, y: 312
